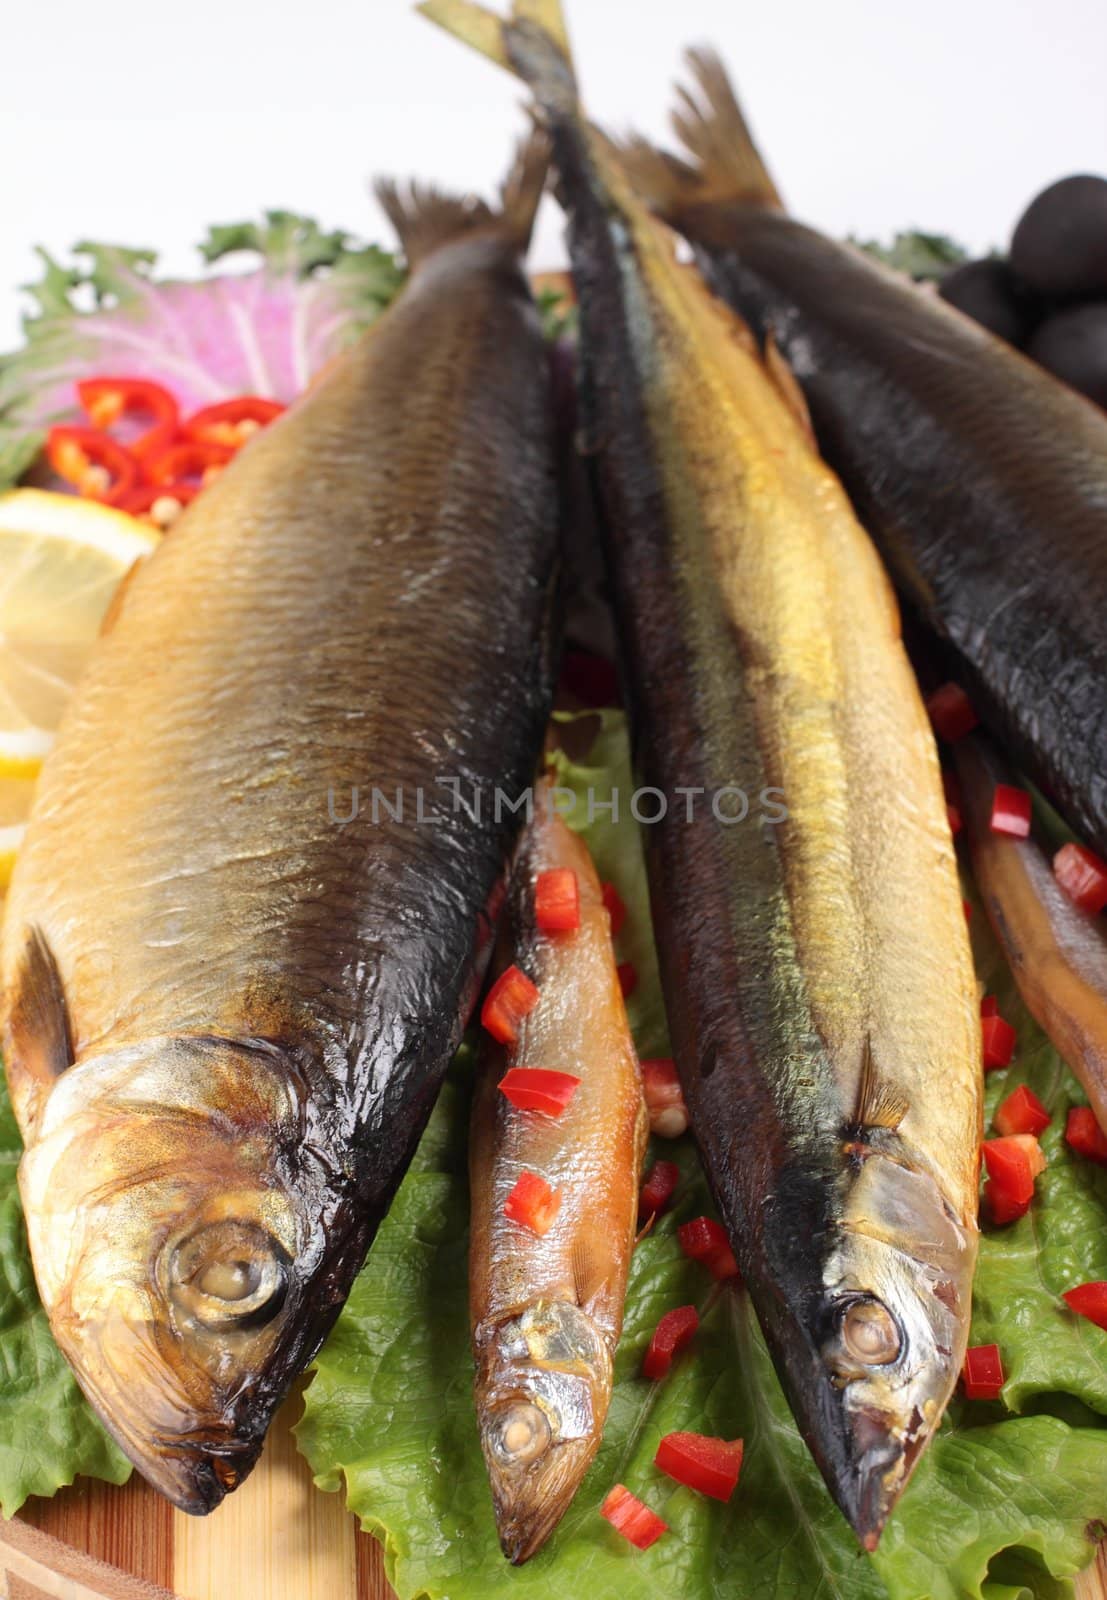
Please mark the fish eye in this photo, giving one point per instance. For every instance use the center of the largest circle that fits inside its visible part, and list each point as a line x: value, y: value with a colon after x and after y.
x: 869, y: 1332
x: 519, y: 1435
x: 229, y: 1275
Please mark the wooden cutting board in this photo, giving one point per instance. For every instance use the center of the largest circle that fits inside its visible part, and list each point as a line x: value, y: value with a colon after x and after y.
x: 276, y: 1538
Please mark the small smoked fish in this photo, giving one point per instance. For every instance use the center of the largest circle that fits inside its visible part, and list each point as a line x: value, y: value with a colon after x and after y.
x: 981, y: 477
x: 1057, y: 952
x: 547, y: 1311
x: 816, y: 969
x: 231, y: 989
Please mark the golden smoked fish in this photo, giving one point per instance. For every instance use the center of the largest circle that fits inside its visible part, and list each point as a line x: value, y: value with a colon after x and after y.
x: 244, y: 931
x: 547, y: 1310
x: 817, y: 973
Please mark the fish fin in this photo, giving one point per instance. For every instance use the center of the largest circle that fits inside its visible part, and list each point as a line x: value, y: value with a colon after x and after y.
x: 787, y: 385
x: 115, y: 604
x: 532, y: 42
x: 879, y: 1104
x: 37, y: 1038
x: 590, y: 1264
x: 713, y: 128
x: 426, y: 219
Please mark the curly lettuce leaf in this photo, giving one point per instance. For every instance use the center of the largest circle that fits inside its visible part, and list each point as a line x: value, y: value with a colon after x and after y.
x: 1003, y: 1506
x: 265, y: 331
x: 48, y: 1432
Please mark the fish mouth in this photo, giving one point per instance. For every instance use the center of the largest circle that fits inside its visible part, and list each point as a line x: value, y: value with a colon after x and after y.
x: 528, y: 1508
x: 194, y: 1474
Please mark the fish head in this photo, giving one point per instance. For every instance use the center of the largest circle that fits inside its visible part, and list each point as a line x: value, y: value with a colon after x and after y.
x: 177, y: 1249
x: 543, y: 1387
x: 870, y: 1373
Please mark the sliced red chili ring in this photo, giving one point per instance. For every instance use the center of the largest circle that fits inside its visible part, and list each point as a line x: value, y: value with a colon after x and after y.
x: 98, y: 466
x: 189, y: 461
x: 173, y: 497
x: 232, y: 422
x: 106, y: 400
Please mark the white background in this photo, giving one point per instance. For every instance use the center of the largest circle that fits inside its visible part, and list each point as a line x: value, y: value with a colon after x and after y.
x: 142, y: 123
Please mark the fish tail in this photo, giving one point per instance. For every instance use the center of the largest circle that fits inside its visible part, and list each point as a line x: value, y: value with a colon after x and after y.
x: 532, y: 42
x: 425, y: 218
x: 712, y: 127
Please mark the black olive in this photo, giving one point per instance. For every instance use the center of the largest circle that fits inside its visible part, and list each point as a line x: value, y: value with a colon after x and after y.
x: 986, y: 291
x: 1072, y: 344
x: 1059, y: 246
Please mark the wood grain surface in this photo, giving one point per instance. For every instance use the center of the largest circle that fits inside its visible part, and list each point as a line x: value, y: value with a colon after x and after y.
x: 276, y: 1538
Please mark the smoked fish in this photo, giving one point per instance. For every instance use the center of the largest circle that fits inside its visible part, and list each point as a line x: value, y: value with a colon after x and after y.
x: 249, y: 919
x: 816, y: 967
x: 547, y: 1310
x: 981, y: 477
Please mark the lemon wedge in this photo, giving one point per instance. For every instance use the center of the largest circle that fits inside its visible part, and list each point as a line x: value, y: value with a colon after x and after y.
x: 61, y: 560
x: 15, y: 805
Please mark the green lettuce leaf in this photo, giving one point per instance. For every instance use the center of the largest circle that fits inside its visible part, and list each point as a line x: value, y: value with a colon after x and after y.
x: 1004, y: 1504
x: 48, y: 1432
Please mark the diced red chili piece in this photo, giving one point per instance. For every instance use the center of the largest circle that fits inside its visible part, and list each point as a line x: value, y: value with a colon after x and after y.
x: 557, y: 901
x: 232, y: 422
x: 97, y: 466
x: 708, y: 1465
x: 1021, y: 1112
x: 510, y: 999
x: 1084, y: 1135
x: 664, y: 1098
x: 1083, y: 876
x: 982, y: 1375
x: 673, y: 1333
x: 658, y: 1189
x: 628, y: 978
x: 532, y: 1203
x: 1010, y: 811
x: 106, y: 400
x: 989, y: 1006
x: 1088, y: 1300
x: 592, y: 679
x: 189, y: 461
x: 951, y: 713
x: 998, y: 1040
x: 616, y: 910
x: 967, y: 909
x: 705, y: 1241
x: 539, y: 1089
x: 952, y: 790
x: 630, y: 1517
x: 1012, y: 1162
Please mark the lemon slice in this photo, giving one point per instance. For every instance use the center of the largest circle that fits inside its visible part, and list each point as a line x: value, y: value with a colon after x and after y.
x: 61, y: 560
x: 15, y: 805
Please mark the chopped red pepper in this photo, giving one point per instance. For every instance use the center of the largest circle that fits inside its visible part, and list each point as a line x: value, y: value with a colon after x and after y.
x: 159, y: 503
x: 1083, y: 876
x: 532, y: 1203
x: 982, y: 1375
x: 627, y: 974
x: 539, y: 1089
x: 616, y: 910
x: 998, y: 1040
x: 1088, y: 1300
x: 1084, y: 1135
x: 664, y: 1098
x: 1010, y: 811
x: 106, y: 400
x: 989, y: 1006
x: 708, y: 1465
x: 705, y: 1241
x: 952, y: 790
x: 592, y: 679
x: 509, y: 1000
x: 1013, y: 1162
x: 951, y: 713
x: 658, y: 1189
x: 630, y: 1517
x: 673, y: 1333
x: 190, y: 461
x: 557, y: 901
x: 98, y: 466
x: 232, y: 422
x: 1021, y: 1112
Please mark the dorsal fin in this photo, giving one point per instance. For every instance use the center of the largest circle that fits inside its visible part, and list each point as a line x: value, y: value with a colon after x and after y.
x: 426, y: 219
x: 37, y: 1043
x: 879, y: 1103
